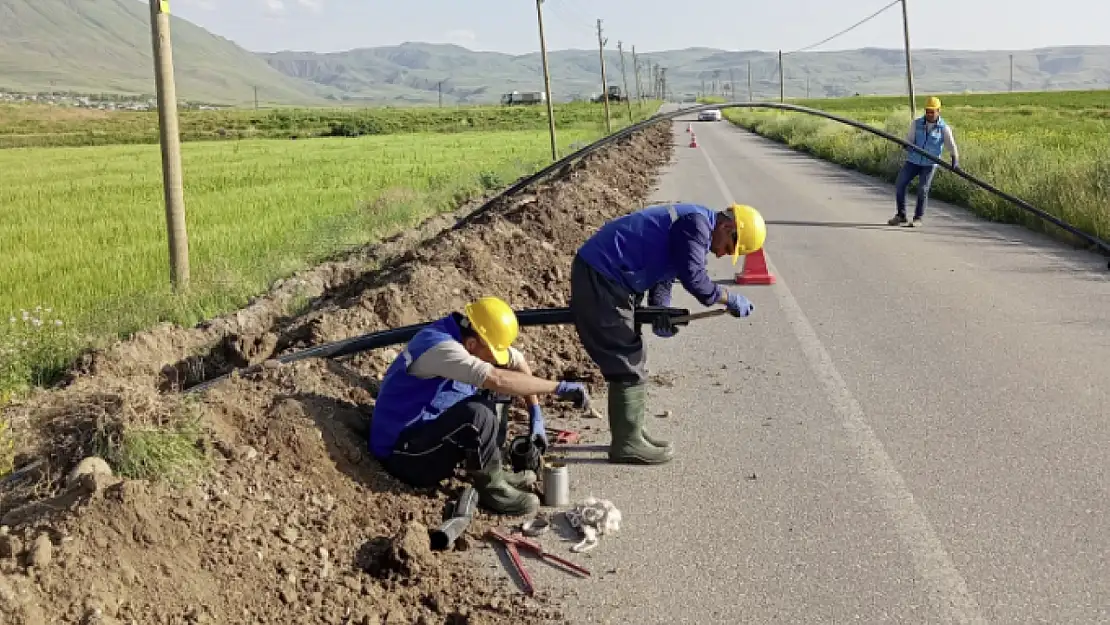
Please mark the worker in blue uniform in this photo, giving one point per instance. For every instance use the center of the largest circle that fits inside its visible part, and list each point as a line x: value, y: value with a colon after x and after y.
x: 644, y: 253
x: 436, y: 407
x: 932, y: 134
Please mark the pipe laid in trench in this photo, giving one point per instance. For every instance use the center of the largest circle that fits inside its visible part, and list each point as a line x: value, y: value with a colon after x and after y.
x: 526, y: 318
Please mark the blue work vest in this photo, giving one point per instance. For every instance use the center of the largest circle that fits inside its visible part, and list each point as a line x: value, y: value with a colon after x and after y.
x: 405, y: 399
x: 932, y: 140
x: 634, y: 250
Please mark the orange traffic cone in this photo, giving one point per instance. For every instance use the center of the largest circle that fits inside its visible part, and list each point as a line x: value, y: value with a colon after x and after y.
x: 755, y: 270
x: 693, y: 140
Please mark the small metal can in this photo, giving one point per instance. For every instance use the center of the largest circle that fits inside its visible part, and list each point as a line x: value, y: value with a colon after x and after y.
x: 556, y: 485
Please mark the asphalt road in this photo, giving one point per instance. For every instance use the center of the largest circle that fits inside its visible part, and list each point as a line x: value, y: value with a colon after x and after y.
x: 913, y: 427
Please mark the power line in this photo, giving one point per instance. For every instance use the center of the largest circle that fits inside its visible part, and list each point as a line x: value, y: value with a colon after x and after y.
x: 852, y: 27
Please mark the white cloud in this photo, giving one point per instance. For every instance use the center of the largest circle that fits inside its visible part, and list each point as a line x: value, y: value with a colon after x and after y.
x: 312, y: 5
x: 274, y: 6
x: 461, y: 36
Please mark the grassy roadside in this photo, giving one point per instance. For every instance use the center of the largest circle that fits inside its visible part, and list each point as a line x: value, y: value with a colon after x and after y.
x: 33, y: 125
x: 1049, y: 149
x: 84, y: 230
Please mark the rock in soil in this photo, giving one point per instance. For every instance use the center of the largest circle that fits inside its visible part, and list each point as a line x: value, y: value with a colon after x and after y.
x: 295, y: 522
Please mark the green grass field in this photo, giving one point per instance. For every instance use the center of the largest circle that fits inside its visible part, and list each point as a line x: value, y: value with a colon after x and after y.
x: 48, y: 126
x: 1050, y: 149
x: 83, y: 228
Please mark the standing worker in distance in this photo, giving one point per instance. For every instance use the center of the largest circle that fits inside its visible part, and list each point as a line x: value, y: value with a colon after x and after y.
x: 629, y: 256
x: 430, y: 414
x: 930, y: 133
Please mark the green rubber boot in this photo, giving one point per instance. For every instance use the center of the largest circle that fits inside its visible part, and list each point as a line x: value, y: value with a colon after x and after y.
x: 658, y: 442
x: 497, y: 494
x: 521, y: 480
x: 626, y: 422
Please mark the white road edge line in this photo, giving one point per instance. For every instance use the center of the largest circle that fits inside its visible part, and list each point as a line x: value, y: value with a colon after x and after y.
x: 949, y: 590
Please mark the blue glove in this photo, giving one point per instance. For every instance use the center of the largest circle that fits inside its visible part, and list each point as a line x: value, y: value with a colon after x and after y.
x: 538, y: 429
x: 739, y: 306
x: 662, y: 327
x: 574, y: 392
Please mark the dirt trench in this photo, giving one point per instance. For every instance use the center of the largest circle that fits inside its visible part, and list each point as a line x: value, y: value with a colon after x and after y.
x: 296, y: 523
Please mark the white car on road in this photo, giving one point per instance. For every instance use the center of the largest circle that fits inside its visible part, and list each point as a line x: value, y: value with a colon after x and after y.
x: 711, y: 115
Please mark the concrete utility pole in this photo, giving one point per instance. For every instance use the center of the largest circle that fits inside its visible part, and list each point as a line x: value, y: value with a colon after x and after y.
x: 636, y: 69
x: 440, y: 88
x: 624, y: 79
x: 909, y: 65
x: 170, y: 140
x: 547, y: 83
x: 604, y: 83
x: 663, y: 83
x: 782, y: 80
x: 749, y: 80
x: 731, y: 85
x: 256, y: 97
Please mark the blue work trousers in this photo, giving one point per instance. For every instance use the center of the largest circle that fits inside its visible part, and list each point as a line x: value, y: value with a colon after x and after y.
x: 924, y: 175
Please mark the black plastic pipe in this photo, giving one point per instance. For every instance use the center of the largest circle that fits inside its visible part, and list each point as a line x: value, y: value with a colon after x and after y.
x: 659, y: 117
x: 384, y: 338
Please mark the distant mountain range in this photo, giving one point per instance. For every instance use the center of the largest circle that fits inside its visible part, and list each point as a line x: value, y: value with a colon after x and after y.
x: 104, y: 46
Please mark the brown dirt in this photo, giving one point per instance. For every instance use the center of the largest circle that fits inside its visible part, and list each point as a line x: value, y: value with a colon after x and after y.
x: 295, y: 523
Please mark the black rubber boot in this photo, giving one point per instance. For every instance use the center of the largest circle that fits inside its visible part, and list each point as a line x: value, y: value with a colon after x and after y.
x: 626, y: 422
x: 497, y: 494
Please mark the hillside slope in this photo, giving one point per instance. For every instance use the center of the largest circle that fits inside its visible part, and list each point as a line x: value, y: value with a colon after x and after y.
x: 413, y: 71
x: 105, y: 46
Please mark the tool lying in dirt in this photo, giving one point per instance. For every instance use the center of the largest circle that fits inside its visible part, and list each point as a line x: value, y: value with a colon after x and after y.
x: 444, y: 536
x: 646, y: 315
x: 512, y: 542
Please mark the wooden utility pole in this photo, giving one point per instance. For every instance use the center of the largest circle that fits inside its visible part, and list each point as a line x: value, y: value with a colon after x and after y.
x: 909, y: 64
x: 624, y: 79
x: 782, y: 80
x: 170, y: 140
x: 636, y: 69
x: 1011, y: 73
x: 256, y: 97
x: 663, y: 83
x: 749, y: 80
x: 731, y: 85
x: 604, y: 84
x: 440, y: 88
x: 547, y: 83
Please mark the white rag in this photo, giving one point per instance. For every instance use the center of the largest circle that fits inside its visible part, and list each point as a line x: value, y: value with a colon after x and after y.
x: 593, y: 517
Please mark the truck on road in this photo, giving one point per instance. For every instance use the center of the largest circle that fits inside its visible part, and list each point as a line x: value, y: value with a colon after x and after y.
x: 525, y: 97
x: 615, y: 95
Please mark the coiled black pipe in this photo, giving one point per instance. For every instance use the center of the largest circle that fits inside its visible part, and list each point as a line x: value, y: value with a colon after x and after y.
x: 570, y: 159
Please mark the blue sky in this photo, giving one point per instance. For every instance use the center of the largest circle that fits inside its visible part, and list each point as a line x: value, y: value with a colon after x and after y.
x: 510, y: 25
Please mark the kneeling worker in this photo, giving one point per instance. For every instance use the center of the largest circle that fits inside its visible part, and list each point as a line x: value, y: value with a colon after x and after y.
x: 628, y: 257
x: 430, y: 414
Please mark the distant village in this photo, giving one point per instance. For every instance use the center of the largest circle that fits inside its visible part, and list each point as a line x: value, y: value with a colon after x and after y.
x: 103, y: 102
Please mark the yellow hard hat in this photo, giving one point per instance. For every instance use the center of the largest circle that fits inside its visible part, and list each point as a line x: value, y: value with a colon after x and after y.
x: 932, y: 103
x: 751, y: 230
x: 495, y: 323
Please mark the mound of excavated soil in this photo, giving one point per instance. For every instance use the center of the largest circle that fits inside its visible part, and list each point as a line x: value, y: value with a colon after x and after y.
x: 296, y: 523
